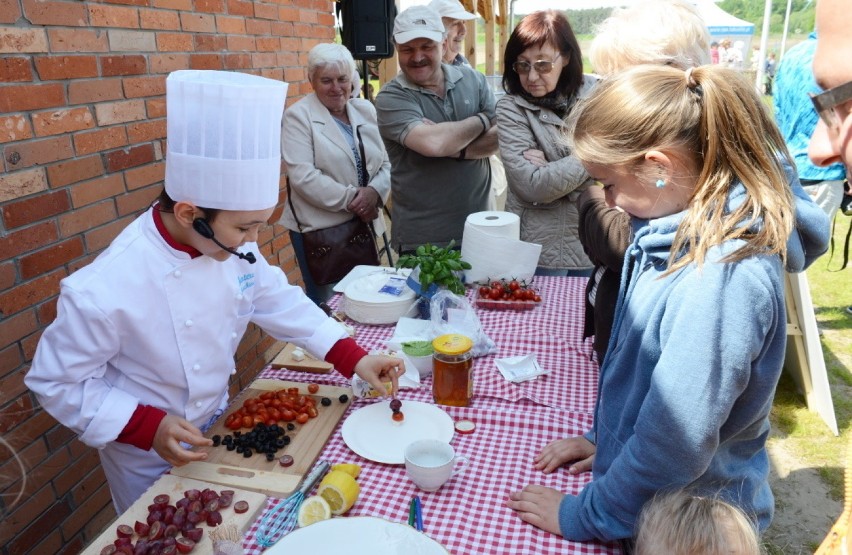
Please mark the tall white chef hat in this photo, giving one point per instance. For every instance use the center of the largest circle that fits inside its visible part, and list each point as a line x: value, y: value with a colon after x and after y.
x: 224, y: 139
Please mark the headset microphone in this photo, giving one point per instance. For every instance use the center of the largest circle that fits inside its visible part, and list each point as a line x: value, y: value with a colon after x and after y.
x: 202, y: 226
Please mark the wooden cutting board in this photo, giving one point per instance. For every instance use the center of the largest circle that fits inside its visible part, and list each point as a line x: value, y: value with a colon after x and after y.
x: 308, y: 364
x: 174, y: 486
x: 232, y: 469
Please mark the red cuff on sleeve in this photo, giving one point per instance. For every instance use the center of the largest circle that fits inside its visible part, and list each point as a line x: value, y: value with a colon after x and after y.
x: 140, y: 430
x: 344, y: 355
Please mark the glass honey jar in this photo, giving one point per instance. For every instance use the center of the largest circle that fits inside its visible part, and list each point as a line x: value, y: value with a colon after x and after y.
x: 452, y: 370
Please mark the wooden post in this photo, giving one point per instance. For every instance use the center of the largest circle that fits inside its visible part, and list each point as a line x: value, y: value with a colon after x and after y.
x: 470, y: 44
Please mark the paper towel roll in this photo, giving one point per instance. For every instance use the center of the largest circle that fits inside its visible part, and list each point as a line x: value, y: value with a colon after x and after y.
x: 500, y: 224
x: 492, y: 246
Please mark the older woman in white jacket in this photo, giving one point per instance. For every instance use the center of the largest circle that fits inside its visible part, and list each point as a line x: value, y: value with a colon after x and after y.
x: 322, y: 140
x: 543, y: 76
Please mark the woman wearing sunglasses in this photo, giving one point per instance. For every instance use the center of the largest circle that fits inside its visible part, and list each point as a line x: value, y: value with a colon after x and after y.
x: 543, y: 76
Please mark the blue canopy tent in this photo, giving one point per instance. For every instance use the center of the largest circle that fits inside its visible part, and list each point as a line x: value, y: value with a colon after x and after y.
x: 723, y: 25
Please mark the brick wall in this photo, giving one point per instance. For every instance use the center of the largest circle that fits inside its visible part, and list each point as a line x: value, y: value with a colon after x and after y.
x: 82, y: 137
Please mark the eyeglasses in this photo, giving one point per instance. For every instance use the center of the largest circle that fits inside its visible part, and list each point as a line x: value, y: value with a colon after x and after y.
x: 541, y: 66
x: 826, y: 104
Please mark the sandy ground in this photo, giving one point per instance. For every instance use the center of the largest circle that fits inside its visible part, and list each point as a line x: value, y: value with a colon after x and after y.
x: 804, y: 512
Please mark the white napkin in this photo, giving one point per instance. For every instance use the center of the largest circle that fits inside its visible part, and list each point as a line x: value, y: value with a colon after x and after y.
x: 520, y: 368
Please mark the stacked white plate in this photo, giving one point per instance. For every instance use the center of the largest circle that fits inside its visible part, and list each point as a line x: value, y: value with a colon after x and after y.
x: 365, y: 302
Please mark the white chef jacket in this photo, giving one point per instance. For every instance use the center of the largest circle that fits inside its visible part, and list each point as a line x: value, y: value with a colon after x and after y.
x: 147, y: 324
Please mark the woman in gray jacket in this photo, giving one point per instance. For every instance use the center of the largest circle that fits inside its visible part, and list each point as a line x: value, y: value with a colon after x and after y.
x: 543, y: 76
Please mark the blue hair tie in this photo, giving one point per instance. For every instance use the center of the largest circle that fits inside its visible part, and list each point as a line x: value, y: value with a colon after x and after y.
x: 660, y: 184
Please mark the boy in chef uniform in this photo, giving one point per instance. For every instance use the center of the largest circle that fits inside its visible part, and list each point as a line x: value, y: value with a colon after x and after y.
x: 138, y: 359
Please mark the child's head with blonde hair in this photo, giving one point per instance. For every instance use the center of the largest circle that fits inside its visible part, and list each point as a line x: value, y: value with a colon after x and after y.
x: 663, y: 32
x: 680, y: 523
x: 711, y: 121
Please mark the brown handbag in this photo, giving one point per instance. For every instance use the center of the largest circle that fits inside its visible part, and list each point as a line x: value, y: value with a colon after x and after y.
x: 332, y: 252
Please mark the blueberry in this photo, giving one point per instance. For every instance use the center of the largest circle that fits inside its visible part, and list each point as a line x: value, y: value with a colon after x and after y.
x: 325, y: 401
x: 343, y: 398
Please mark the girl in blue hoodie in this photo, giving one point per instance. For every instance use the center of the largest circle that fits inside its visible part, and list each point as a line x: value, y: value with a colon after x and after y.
x: 699, y: 332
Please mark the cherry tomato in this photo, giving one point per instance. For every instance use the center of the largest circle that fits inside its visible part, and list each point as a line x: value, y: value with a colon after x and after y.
x: 496, y: 284
x: 313, y: 388
x: 484, y: 291
x: 247, y: 421
x: 302, y: 418
x: 537, y: 299
x: 312, y: 412
x: 496, y: 293
x: 514, y: 285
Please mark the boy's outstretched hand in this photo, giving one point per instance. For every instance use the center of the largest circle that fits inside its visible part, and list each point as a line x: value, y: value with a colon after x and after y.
x: 167, y: 441
x: 380, y: 369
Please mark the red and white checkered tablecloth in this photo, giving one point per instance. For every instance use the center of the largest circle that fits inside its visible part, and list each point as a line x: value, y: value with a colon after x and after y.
x: 513, y: 422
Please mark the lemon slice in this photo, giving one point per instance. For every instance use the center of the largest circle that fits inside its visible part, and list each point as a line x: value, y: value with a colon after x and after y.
x: 352, y: 469
x: 313, y: 509
x: 340, y: 490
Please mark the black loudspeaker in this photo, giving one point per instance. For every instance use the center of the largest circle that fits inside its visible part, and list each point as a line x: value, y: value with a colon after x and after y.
x: 366, y: 27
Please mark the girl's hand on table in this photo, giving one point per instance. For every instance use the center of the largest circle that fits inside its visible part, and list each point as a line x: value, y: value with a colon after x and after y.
x: 380, y: 369
x: 538, y: 506
x: 578, y: 450
x: 167, y: 441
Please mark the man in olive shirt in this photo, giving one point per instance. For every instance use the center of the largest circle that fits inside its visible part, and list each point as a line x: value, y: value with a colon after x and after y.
x: 436, y: 122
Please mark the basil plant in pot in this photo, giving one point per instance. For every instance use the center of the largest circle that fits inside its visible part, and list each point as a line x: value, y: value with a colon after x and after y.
x: 434, y: 268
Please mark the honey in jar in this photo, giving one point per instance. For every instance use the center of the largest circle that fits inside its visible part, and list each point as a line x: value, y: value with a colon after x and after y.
x: 452, y: 370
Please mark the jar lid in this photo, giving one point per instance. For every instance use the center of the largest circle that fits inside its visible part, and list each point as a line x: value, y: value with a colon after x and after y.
x: 452, y: 344
x: 465, y: 426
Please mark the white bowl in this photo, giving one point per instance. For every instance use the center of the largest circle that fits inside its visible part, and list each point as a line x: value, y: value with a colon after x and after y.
x: 423, y: 364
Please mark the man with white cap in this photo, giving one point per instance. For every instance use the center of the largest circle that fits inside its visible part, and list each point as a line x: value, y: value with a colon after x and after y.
x: 139, y: 357
x: 437, y: 124
x: 454, y: 16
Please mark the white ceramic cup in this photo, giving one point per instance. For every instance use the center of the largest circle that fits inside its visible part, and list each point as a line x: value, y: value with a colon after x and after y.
x: 430, y: 463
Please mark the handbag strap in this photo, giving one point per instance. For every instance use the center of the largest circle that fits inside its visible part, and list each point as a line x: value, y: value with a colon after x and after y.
x: 365, y: 179
x: 293, y: 208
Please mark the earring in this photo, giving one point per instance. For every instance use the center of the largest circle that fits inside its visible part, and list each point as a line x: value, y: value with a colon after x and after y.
x: 660, y: 184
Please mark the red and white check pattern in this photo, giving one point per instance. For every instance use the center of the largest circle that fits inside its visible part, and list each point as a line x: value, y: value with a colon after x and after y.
x: 513, y: 422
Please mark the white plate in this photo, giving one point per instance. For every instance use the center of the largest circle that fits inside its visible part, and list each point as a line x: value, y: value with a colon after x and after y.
x: 371, y: 432
x: 361, y: 270
x: 364, y: 535
x: 367, y: 290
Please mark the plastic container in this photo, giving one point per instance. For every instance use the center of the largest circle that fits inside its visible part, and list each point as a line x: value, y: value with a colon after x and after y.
x: 420, y: 355
x: 452, y: 370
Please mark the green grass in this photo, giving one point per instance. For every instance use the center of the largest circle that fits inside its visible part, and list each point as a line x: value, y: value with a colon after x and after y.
x: 808, y: 435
